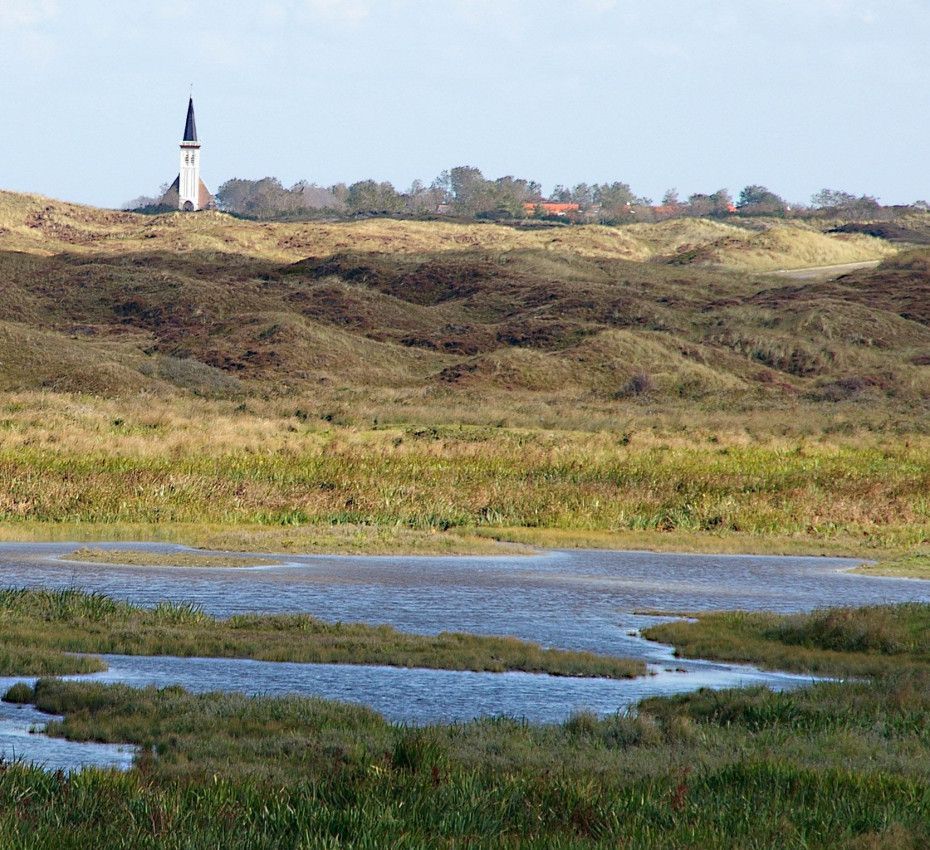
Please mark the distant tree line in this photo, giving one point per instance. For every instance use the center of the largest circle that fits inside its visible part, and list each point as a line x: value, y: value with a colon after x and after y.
x: 465, y: 192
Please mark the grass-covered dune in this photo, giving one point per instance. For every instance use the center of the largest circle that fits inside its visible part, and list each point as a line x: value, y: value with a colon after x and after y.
x: 836, y: 765
x: 38, y: 628
x: 117, y: 304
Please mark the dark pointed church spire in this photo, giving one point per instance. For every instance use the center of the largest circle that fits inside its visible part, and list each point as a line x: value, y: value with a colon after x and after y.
x: 190, y: 127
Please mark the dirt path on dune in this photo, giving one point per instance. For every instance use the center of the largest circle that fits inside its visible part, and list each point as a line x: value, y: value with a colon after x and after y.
x: 825, y: 272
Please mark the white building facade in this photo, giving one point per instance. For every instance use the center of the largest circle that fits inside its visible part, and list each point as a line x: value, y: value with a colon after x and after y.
x: 187, y: 193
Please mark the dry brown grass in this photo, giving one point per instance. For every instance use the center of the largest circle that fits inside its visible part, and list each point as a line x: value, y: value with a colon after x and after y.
x: 35, y: 224
x: 785, y: 246
x: 437, y: 315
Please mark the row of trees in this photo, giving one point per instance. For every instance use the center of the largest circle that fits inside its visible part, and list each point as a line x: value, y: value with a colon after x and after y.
x: 461, y: 191
x: 464, y: 191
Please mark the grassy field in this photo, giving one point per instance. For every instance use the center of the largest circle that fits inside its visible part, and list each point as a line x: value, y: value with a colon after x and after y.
x: 835, y: 765
x: 41, y: 627
x: 205, y: 473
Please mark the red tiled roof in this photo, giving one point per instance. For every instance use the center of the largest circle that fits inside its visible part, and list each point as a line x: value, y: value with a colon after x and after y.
x: 551, y: 206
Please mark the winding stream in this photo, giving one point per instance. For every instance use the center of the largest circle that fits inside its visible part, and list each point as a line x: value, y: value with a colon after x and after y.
x: 573, y: 600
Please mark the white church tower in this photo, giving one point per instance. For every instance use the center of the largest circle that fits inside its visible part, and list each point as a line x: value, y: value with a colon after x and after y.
x: 188, y: 193
x: 189, y: 177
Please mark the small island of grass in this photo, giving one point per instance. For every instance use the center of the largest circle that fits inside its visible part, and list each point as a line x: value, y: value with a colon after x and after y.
x: 41, y: 628
x: 153, y: 558
x: 855, y: 642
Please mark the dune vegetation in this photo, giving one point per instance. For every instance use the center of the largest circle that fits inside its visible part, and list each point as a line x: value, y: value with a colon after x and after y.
x: 409, y: 314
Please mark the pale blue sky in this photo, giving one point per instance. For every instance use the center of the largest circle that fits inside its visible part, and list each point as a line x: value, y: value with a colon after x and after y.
x: 795, y: 94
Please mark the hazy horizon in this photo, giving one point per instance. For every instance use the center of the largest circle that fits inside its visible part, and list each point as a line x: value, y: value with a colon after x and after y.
x: 797, y: 95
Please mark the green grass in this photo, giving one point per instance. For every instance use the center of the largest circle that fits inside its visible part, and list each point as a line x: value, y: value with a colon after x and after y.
x: 834, y: 641
x: 910, y: 565
x: 833, y: 766
x: 222, y: 478
x: 839, y: 764
x: 40, y: 627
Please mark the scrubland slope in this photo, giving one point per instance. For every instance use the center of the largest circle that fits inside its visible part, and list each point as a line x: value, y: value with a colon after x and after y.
x: 113, y: 303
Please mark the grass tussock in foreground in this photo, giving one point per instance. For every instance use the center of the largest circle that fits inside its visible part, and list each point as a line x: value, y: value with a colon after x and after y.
x: 867, y: 641
x: 832, y: 766
x: 37, y: 628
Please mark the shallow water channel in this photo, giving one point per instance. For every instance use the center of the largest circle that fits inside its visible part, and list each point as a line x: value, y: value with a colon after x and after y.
x: 572, y: 600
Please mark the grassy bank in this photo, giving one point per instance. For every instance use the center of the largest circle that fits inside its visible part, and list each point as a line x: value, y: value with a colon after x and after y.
x: 39, y: 627
x: 344, y: 538
x: 912, y: 565
x: 656, y: 540
x: 866, y: 641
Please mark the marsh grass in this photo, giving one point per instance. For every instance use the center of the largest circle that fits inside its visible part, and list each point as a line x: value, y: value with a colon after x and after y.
x: 867, y: 641
x: 832, y: 766
x: 217, y: 477
x: 909, y: 565
x: 38, y: 628
x: 839, y: 764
